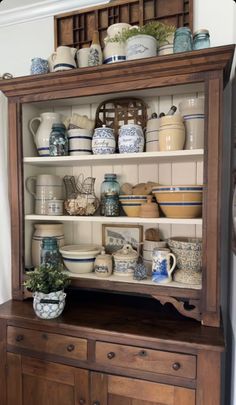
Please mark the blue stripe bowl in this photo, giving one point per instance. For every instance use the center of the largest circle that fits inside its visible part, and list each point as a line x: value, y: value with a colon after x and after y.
x: 80, y: 258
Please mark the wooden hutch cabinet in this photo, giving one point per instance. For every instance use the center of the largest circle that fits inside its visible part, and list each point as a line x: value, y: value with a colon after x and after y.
x: 128, y: 343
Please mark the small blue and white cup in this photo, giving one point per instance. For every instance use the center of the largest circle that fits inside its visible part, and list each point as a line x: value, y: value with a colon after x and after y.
x: 39, y: 66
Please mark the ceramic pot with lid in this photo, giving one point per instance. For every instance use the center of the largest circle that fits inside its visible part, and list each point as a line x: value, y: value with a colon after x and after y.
x: 131, y: 139
x: 103, y: 264
x: 125, y: 261
x: 103, y: 141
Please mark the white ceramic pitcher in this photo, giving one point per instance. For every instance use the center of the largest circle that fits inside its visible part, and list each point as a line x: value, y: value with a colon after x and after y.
x: 41, y: 135
x: 63, y: 58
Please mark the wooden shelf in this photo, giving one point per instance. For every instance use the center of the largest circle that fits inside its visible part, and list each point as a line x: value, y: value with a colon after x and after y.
x: 173, y: 156
x: 114, y: 220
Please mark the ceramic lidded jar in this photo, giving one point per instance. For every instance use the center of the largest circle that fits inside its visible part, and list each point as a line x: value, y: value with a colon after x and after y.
x: 103, y: 141
x: 125, y: 260
x: 131, y: 139
x: 103, y: 264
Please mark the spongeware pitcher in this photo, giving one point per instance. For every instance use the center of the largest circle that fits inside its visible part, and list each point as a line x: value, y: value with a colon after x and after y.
x: 42, y: 133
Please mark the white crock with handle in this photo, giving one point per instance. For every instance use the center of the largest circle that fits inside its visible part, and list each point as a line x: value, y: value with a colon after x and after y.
x: 64, y: 58
x: 42, y: 133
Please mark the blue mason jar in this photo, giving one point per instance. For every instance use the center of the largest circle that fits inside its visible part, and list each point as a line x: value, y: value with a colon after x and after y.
x: 201, y: 39
x: 58, y: 140
x: 50, y: 252
x: 183, y: 40
x: 110, y: 190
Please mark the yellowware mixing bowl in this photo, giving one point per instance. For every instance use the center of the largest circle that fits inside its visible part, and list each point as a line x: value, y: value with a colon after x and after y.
x: 131, y: 204
x: 179, y: 201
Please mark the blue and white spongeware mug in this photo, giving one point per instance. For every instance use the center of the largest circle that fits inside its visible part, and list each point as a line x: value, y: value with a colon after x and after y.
x: 161, y: 268
x: 39, y: 66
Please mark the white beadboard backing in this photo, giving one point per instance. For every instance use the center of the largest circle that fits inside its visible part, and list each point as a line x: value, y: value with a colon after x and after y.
x: 163, y: 172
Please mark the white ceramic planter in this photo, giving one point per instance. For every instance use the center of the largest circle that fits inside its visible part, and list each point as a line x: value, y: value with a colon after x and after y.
x: 49, y: 306
x: 114, y: 52
x: 140, y: 46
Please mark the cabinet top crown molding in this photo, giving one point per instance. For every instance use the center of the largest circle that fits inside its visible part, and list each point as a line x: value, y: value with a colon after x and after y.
x: 139, y: 74
x: 43, y: 9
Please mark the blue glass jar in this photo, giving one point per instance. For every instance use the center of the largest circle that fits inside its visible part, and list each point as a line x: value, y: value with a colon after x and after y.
x: 183, y: 40
x: 201, y: 39
x: 110, y: 189
x: 50, y: 252
x: 58, y: 140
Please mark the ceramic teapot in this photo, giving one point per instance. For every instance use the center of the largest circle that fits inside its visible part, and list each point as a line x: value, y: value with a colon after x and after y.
x: 63, y: 58
x: 41, y: 135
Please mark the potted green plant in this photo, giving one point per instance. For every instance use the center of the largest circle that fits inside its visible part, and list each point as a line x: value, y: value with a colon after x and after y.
x: 143, y: 41
x: 47, y: 284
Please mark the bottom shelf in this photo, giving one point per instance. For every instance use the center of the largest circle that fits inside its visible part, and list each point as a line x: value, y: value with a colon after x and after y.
x: 127, y: 284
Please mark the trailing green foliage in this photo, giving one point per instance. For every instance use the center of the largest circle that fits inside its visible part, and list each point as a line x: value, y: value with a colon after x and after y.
x: 46, y: 279
x: 156, y: 29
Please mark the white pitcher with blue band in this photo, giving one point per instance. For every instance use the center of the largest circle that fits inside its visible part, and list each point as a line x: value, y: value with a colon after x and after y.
x: 42, y: 133
x: 63, y: 58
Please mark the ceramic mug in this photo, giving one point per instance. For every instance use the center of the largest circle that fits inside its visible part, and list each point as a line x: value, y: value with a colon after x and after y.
x: 161, y: 268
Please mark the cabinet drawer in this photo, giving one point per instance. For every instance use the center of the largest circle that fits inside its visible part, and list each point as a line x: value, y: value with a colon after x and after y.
x: 49, y: 343
x: 155, y: 361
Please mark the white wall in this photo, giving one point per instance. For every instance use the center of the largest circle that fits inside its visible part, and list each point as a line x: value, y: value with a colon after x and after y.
x: 19, y: 43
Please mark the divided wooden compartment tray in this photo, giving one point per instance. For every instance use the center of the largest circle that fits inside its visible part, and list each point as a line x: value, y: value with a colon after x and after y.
x: 76, y: 28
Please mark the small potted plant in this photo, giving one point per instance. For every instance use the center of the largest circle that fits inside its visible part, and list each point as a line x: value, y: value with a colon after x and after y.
x: 47, y: 283
x: 143, y: 42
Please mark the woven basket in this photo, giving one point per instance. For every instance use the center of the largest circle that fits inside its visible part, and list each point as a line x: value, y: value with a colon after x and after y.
x: 121, y: 111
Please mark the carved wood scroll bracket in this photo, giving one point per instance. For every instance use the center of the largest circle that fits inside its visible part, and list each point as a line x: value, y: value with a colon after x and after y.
x: 186, y: 307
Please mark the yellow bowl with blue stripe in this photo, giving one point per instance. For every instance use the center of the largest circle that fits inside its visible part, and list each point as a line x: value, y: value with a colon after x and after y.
x: 179, y: 201
x: 131, y: 204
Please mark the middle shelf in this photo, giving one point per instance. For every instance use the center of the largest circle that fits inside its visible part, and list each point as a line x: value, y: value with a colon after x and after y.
x: 115, y: 220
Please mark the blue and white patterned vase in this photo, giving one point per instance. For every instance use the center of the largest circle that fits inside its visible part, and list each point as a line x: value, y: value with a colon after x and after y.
x: 131, y: 139
x: 161, y: 269
x: 39, y: 66
x: 103, y: 141
x: 49, y: 306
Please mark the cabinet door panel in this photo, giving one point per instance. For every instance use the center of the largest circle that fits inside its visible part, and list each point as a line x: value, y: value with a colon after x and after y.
x: 38, y: 391
x: 115, y: 390
x: 39, y: 382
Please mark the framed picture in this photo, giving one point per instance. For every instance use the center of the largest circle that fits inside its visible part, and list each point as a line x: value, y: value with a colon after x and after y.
x: 114, y: 237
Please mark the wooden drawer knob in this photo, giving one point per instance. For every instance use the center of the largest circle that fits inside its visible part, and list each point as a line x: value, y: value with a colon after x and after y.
x: 176, y: 366
x: 70, y: 348
x: 82, y: 402
x: 143, y: 353
x: 110, y: 356
x: 19, y: 338
x: 96, y: 403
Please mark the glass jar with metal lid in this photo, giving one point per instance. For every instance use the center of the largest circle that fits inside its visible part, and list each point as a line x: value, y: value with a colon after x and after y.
x: 183, y: 40
x: 201, y: 39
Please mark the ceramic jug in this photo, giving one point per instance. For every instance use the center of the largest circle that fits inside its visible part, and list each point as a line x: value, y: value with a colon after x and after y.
x: 42, y: 134
x: 43, y: 188
x: 161, y: 268
x: 63, y: 58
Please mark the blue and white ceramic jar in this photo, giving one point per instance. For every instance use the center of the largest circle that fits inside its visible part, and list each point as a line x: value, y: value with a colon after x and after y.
x: 131, y: 139
x: 38, y: 66
x: 103, y: 141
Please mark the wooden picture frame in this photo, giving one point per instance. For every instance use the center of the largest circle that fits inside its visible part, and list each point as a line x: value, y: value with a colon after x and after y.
x: 114, y: 236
